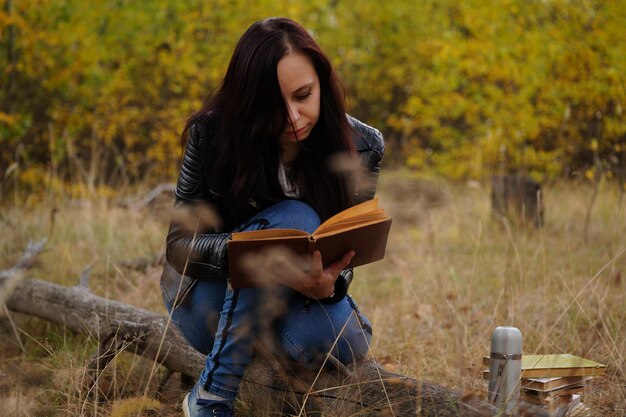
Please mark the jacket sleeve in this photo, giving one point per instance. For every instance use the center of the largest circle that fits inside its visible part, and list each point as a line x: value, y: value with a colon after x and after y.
x: 370, y: 147
x: 378, y: 150
x: 193, y: 245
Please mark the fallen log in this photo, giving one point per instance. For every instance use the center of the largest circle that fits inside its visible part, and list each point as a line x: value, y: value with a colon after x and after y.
x: 165, y: 190
x: 79, y: 310
x: 272, y: 384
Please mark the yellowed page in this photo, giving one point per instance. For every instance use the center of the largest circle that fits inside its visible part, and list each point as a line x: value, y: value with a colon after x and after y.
x: 268, y: 234
x: 359, y: 209
x: 356, y: 225
x: 362, y: 218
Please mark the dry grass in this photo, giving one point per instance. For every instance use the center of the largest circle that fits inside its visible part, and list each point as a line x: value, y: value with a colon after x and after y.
x: 452, y: 274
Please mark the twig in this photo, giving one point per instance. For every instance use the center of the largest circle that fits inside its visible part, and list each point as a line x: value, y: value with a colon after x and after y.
x: 14, y: 275
x: 343, y: 369
x: 150, y: 197
x: 33, y: 249
x: 83, y: 282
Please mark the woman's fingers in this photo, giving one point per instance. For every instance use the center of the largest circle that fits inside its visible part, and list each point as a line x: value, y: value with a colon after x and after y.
x: 316, y: 264
x: 336, y: 267
x: 317, y: 283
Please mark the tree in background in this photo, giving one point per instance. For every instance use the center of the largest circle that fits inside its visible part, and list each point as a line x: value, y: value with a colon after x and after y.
x: 94, y: 94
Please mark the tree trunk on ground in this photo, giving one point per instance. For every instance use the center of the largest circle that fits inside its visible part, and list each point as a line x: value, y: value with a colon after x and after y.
x: 270, y: 384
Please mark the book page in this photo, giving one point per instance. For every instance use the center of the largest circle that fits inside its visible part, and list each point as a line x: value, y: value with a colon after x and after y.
x: 353, y: 211
x: 268, y: 234
x: 347, y: 225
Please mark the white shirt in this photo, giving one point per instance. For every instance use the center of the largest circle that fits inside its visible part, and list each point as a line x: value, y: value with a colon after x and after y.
x: 290, y: 189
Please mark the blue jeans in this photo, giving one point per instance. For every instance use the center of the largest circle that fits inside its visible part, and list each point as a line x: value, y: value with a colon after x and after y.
x: 226, y: 324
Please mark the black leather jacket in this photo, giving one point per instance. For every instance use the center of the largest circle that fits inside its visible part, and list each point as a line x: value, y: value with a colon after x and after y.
x: 203, y: 254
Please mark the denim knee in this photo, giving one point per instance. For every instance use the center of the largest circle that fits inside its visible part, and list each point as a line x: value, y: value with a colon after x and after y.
x: 310, y: 348
x: 294, y: 214
x: 288, y: 214
x: 198, y: 315
x: 308, y: 334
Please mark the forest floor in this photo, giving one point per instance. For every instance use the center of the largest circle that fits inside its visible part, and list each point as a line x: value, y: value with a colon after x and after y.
x: 452, y: 273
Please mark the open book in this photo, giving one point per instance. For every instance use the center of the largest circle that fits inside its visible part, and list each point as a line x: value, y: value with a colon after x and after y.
x: 363, y: 228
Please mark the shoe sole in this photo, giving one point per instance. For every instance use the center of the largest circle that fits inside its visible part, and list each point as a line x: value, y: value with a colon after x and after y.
x: 186, y: 406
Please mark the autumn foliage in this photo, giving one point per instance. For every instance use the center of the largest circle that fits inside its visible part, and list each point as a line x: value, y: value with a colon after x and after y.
x: 97, y: 92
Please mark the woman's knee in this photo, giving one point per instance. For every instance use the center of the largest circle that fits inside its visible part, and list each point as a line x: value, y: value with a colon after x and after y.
x: 292, y: 214
x: 353, y: 345
x: 338, y: 329
x: 198, y: 315
x: 199, y: 336
x: 348, y: 346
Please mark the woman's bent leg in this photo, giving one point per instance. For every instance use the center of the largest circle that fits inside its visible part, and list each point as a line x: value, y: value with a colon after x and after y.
x: 198, y: 315
x: 310, y: 330
x: 243, y: 309
x: 234, y: 342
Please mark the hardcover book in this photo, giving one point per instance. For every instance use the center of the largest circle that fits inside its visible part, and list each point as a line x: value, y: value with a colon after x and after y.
x: 552, y: 396
x: 554, y: 383
x: 565, y: 405
x: 363, y: 228
x: 557, y: 365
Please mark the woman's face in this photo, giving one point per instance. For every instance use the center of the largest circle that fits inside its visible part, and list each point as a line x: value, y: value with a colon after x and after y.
x: 300, y: 87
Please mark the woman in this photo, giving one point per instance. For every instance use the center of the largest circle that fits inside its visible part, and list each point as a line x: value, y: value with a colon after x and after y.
x: 258, y: 155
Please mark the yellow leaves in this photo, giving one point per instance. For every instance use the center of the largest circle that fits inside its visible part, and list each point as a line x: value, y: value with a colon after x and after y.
x: 33, y: 176
x: 130, y: 407
x: 461, y: 78
x: 9, y: 119
x: 11, y: 19
x: 417, y: 159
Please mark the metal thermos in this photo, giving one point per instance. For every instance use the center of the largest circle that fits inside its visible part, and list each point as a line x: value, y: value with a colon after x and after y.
x: 505, y: 367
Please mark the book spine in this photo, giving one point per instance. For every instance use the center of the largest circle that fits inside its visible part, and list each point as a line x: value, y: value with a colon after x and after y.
x: 311, y: 244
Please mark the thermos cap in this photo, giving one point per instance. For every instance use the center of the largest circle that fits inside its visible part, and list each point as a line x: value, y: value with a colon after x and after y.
x: 506, y: 339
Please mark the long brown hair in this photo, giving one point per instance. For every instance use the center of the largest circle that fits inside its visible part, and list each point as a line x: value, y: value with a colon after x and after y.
x: 252, y: 114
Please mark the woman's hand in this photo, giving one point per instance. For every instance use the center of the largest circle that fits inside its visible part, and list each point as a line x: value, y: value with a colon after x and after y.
x: 306, y: 275
x: 319, y: 282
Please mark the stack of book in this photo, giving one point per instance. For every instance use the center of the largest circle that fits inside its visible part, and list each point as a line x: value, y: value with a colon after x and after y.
x: 556, y: 391
x: 557, y: 382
